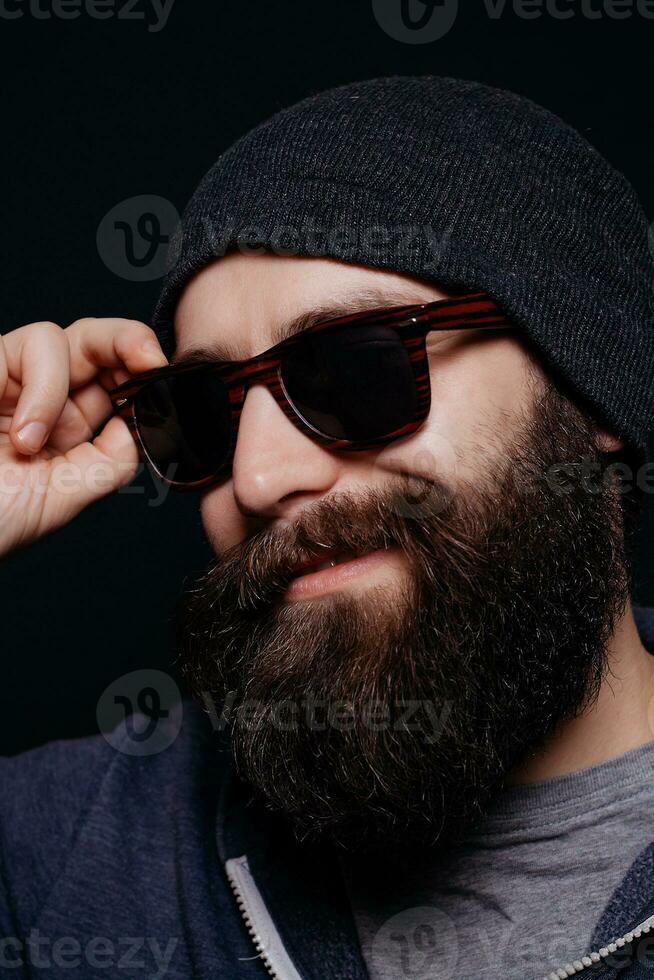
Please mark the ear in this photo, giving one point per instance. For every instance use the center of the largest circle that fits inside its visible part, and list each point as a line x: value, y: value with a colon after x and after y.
x: 608, y: 441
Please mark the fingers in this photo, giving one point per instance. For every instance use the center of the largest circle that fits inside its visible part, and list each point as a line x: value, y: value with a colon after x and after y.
x: 41, y: 363
x: 112, y: 377
x: 4, y: 371
x: 79, y: 477
x: 106, y: 350
x: 83, y: 414
x: 99, y: 467
x: 38, y: 357
x: 111, y: 343
x: 53, y: 400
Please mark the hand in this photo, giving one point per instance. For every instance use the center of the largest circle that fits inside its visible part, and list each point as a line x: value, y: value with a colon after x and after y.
x: 53, y: 401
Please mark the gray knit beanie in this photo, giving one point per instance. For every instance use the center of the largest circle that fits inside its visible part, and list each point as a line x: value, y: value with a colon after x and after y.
x: 460, y: 184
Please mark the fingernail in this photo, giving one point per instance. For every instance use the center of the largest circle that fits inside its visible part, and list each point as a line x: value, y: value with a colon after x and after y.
x: 154, y: 350
x: 33, y: 435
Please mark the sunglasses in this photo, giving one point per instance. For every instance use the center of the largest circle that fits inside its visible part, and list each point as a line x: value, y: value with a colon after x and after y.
x: 354, y: 382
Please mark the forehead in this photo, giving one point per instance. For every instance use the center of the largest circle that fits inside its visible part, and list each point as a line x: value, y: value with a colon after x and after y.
x: 241, y: 300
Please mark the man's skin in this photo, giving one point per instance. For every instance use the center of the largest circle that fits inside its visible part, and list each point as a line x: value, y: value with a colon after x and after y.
x: 480, y: 392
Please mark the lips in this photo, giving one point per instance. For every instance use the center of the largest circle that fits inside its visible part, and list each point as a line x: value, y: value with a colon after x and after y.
x: 333, y: 570
x: 327, y: 558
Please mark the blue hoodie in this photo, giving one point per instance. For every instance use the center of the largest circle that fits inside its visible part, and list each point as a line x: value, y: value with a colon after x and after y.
x: 162, y: 866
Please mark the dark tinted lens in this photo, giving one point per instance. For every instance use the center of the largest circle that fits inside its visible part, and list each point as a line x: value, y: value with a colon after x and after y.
x: 184, y: 424
x: 352, y: 383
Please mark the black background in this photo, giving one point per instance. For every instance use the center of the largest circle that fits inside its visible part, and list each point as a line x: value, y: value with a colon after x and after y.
x: 98, y: 111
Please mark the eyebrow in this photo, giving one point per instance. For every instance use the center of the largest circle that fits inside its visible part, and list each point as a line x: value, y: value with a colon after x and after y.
x: 367, y: 299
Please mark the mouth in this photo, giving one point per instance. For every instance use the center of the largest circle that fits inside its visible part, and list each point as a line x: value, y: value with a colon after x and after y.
x: 327, y: 558
x: 335, y: 568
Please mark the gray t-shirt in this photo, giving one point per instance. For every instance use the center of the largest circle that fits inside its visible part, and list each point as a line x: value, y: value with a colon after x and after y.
x: 522, y: 896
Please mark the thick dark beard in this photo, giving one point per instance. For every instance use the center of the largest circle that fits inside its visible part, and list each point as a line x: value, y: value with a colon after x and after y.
x: 392, y: 716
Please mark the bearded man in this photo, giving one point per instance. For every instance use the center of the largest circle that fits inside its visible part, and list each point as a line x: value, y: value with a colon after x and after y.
x: 407, y: 365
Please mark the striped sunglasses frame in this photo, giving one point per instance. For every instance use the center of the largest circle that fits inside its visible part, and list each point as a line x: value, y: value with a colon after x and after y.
x: 411, y: 323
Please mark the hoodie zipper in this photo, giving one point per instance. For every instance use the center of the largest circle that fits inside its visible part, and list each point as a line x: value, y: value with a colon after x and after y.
x: 258, y: 922
x: 272, y: 953
x: 593, y: 959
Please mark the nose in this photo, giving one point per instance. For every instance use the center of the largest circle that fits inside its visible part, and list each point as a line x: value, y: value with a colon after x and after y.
x: 276, y: 468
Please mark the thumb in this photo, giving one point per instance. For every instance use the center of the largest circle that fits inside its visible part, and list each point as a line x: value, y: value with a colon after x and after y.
x: 97, y: 468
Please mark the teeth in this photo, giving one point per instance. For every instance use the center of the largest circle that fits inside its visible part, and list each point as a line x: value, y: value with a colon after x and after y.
x: 327, y: 564
x: 331, y: 563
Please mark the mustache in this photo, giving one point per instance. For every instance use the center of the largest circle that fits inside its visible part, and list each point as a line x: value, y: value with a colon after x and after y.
x: 260, y: 569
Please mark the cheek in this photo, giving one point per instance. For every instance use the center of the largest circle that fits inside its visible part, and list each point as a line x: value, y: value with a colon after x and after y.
x: 223, y: 523
x: 477, y: 404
